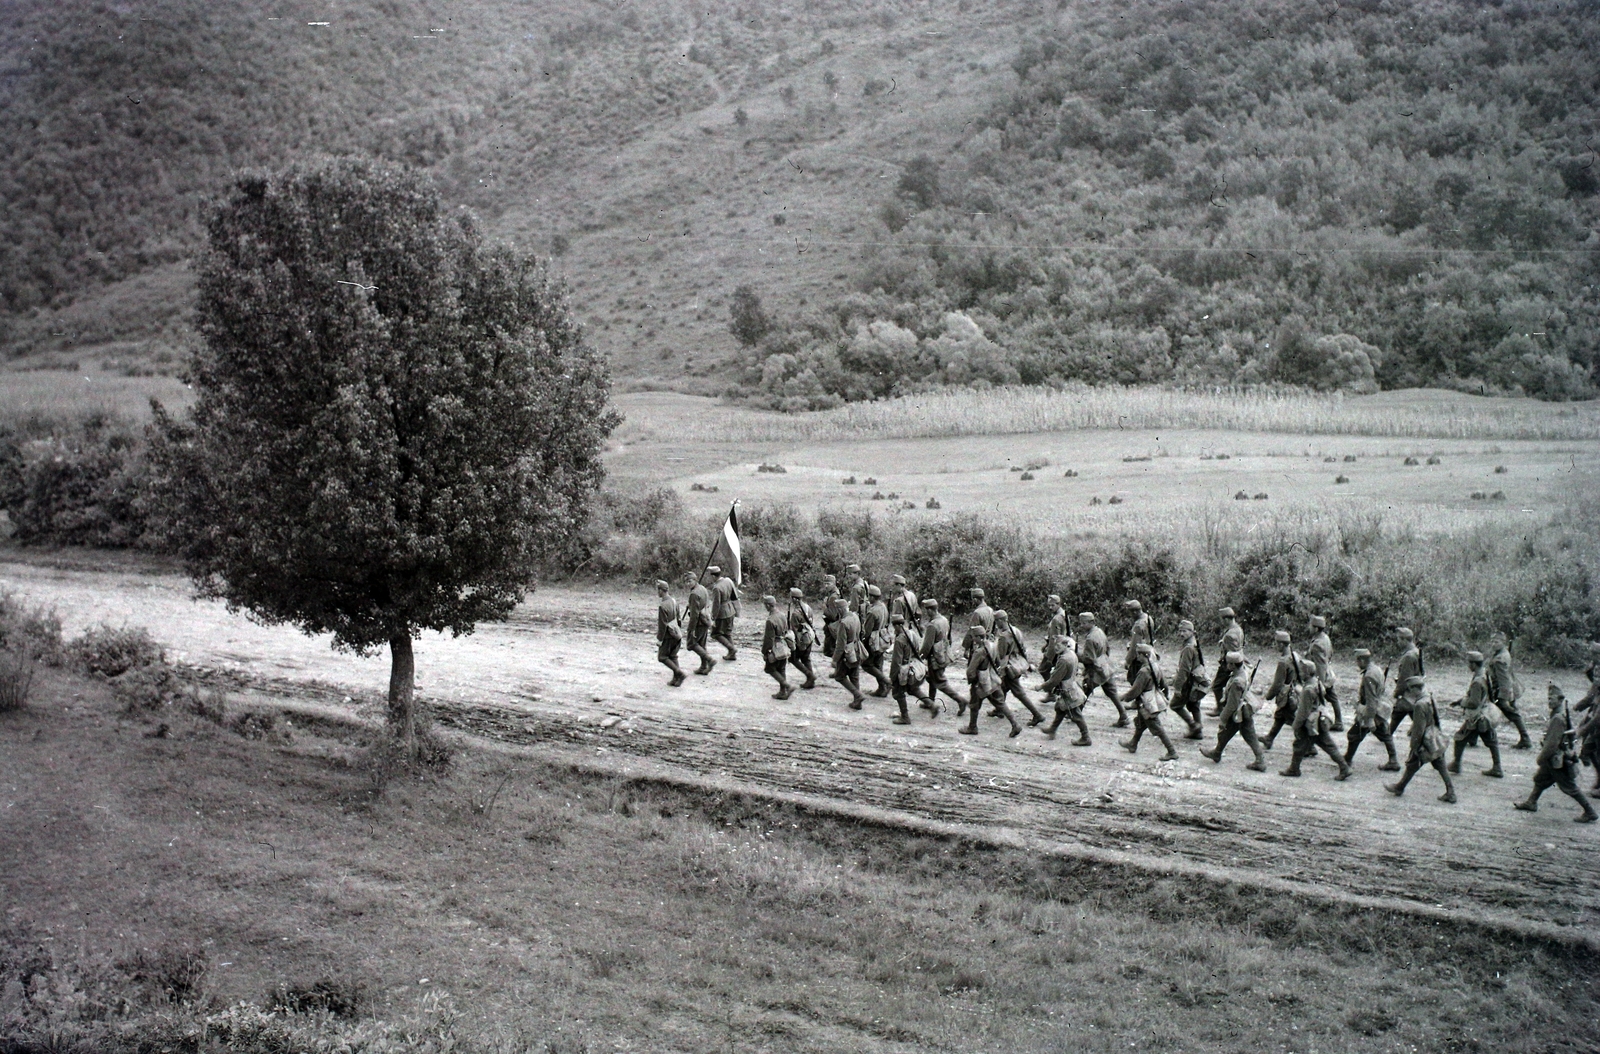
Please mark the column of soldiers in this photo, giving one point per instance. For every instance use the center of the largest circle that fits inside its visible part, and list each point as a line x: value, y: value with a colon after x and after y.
x: 907, y: 646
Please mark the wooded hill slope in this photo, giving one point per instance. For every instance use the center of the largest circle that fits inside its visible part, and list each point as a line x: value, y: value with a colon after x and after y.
x: 945, y: 192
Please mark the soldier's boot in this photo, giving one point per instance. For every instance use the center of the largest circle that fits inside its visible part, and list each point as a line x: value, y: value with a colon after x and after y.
x: 1398, y: 788
x: 811, y: 675
x: 1132, y: 745
x: 1166, y: 740
x: 1294, y: 765
x: 1197, y: 730
x: 1455, y: 762
x: 1338, y: 715
x: 1224, y: 737
x: 1061, y: 715
x: 1027, y: 701
x: 678, y: 677
x: 1260, y: 763
x: 1333, y: 752
x: 1016, y: 729
x: 1588, y: 815
x: 1083, y: 731
x: 1449, y: 794
x: 1351, y: 742
x: 905, y: 716
x: 972, y: 717
x: 785, y: 690
x: 1122, y: 713
x: 1494, y: 752
x: 1523, y: 742
x: 1393, y: 764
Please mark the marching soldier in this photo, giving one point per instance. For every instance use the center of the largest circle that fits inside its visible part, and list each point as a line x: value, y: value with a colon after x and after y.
x: 982, y: 616
x: 805, y: 635
x: 1312, y: 722
x: 1232, y: 640
x: 1503, y: 688
x: 904, y: 602
x: 1063, y: 686
x: 1094, y: 655
x: 848, y: 651
x: 724, y: 609
x: 1320, y: 652
x: 1589, y: 731
x: 830, y: 615
x: 935, y: 652
x: 1558, y: 760
x: 698, y: 631
x: 1189, y: 683
x: 1475, y: 722
x: 1406, y: 666
x: 1141, y: 631
x: 1238, y: 714
x: 1282, y: 693
x: 1427, y: 741
x: 669, y: 634
x: 856, y: 589
x: 1148, y: 693
x: 777, y: 644
x: 1055, y: 631
x: 906, y: 670
x: 984, y: 681
x: 1371, y: 716
x: 878, y: 635
x: 1012, y: 654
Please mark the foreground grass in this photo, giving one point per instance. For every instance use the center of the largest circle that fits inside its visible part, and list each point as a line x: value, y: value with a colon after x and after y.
x: 1005, y: 411
x: 520, y: 905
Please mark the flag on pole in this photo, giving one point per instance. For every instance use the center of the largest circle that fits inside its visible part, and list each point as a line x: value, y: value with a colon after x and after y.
x: 734, y: 566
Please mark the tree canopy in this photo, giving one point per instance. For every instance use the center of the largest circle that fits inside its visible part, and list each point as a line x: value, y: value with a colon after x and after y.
x: 392, y: 421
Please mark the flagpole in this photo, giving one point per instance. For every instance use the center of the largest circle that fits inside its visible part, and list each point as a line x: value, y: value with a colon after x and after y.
x: 713, y: 554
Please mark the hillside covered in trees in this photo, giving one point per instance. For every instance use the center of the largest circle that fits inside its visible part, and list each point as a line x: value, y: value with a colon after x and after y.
x: 1344, y: 196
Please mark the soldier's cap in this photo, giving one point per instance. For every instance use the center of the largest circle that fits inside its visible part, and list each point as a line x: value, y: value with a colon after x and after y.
x: 1225, y: 612
x: 852, y: 567
x: 1054, y: 598
x: 1185, y: 626
x: 929, y: 602
x: 1146, y: 649
x: 898, y: 580
x: 1363, y: 653
x: 690, y: 576
x: 1318, y: 622
x: 1235, y: 657
x: 1474, y: 656
x: 1086, y: 616
x: 1415, y: 684
x: 830, y: 579
x: 796, y: 591
x: 976, y: 591
x: 1133, y: 605
x: 1001, y: 616
x: 662, y: 584
x: 1555, y: 690
x: 714, y: 570
x: 1281, y: 636
x: 1404, y: 633
x: 874, y: 591
x: 897, y: 618
x: 770, y: 600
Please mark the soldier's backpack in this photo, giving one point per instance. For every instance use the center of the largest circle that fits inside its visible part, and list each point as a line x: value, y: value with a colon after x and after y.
x: 1017, y: 661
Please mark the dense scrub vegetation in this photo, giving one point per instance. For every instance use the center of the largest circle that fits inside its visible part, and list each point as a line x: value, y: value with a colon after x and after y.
x: 1340, y: 196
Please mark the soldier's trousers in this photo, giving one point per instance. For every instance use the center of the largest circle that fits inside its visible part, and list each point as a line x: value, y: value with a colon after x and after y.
x: 1563, y: 777
x: 874, y: 666
x: 1330, y: 692
x: 1283, y: 716
x: 1379, y: 730
x: 1186, y: 705
x: 696, y: 640
x: 1514, y: 715
x: 1245, y: 728
x: 1414, y: 766
x: 1306, y: 743
x: 667, y: 655
x: 1142, y: 721
x: 937, y: 682
x: 722, y: 633
x: 1110, y: 691
x: 1067, y: 710
x: 801, y: 660
x: 775, y: 669
x: 1402, y: 710
x: 914, y: 689
x: 997, y: 700
x: 1219, y: 684
x: 1009, y: 682
x: 848, y: 674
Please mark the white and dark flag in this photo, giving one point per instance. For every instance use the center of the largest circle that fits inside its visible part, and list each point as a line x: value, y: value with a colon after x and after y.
x: 728, y: 547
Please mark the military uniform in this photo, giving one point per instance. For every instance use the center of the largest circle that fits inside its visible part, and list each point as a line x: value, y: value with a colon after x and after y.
x: 1063, y: 686
x: 1427, y: 740
x: 1232, y: 640
x: 1406, y: 666
x: 855, y: 594
x: 848, y: 652
x: 724, y: 609
x: 777, y: 644
x: 805, y: 637
x: 1237, y: 717
x: 1148, y: 694
x: 669, y: 634
x: 984, y: 682
x: 1558, y: 760
x: 878, y: 635
x: 1189, y: 683
x: 1141, y: 631
x: 903, y: 602
x: 935, y: 652
x: 1372, y: 712
x: 1094, y: 655
x: 1320, y: 652
x: 1012, y: 655
x: 1589, y: 731
x: 981, y: 617
x: 1503, y: 692
x: 830, y: 613
x: 906, y: 670
x: 1055, y: 631
x: 698, y: 629
x: 1312, y: 723
x: 1282, y: 693
x: 1475, y: 722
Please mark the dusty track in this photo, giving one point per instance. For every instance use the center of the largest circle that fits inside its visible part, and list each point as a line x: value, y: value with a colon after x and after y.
x: 567, y: 663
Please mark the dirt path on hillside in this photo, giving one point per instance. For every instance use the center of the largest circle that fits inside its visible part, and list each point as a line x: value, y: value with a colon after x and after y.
x: 579, y: 667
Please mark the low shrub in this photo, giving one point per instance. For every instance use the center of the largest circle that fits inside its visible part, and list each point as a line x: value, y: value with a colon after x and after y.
x: 86, y: 485
x: 16, y: 679
x: 340, y: 997
x: 112, y: 651
x: 33, y: 631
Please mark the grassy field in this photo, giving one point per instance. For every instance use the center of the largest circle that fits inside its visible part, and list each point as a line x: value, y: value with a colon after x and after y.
x: 520, y: 904
x: 69, y: 395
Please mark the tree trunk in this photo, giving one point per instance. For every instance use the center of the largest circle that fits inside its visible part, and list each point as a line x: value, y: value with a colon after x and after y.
x: 402, y: 678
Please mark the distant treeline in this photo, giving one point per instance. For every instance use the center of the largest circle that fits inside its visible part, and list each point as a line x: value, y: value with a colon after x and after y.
x: 1355, y: 195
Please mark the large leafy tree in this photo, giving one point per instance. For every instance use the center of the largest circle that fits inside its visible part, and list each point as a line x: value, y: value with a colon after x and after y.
x: 392, y: 421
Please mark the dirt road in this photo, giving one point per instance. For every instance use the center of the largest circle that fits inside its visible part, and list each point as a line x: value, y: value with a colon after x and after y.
x: 578, y: 667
